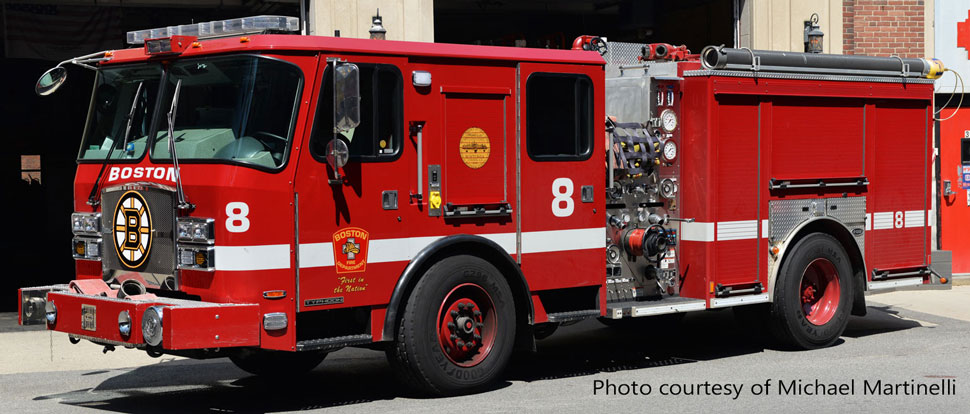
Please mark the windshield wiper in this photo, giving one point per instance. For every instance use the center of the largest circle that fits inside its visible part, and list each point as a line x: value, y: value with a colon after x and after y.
x: 183, y: 204
x: 92, y: 199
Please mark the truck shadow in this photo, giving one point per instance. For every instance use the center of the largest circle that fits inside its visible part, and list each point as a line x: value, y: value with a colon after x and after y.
x: 355, y: 376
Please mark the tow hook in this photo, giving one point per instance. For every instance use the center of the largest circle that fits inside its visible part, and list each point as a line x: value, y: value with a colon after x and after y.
x: 74, y: 340
x: 108, y: 348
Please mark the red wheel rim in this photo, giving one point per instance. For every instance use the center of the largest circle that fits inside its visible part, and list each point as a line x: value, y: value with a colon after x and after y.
x: 466, y: 325
x: 820, y: 291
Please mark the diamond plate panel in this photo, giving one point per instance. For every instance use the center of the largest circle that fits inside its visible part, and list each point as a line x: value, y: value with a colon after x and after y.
x: 851, y: 211
x: 785, y: 215
x: 623, y: 53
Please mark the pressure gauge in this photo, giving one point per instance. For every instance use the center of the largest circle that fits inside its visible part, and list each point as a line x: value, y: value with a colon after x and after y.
x: 669, y: 151
x: 668, y: 120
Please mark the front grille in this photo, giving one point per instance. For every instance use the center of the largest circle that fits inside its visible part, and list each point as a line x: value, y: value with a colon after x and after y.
x: 160, y: 255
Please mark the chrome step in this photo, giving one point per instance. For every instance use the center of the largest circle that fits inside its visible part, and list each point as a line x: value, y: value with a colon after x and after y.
x: 573, y: 315
x: 633, y: 309
x: 335, y: 342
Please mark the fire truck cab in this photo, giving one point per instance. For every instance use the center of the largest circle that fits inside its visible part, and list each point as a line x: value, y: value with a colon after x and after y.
x: 449, y: 203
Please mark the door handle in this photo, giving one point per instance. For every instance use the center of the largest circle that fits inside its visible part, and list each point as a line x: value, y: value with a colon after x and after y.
x: 417, y: 128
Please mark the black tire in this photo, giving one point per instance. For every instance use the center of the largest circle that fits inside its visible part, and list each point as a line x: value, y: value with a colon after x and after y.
x: 277, y: 364
x: 419, y: 356
x: 793, y: 319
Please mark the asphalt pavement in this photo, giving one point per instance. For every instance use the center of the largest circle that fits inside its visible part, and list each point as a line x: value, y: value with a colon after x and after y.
x: 904, y: 349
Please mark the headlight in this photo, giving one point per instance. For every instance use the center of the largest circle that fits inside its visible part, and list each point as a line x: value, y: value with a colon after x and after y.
x: 151, y: 326
x: 196, y: 230
x: 86, y: 248
x: 197, y: 257
x: 86, y: 223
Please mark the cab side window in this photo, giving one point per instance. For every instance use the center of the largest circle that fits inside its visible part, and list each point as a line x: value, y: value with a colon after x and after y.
x: 559, y: 116
x: 381, y: 130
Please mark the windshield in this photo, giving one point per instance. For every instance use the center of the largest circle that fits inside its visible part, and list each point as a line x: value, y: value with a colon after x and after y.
x: 235, y: 108
x: 114, y: 94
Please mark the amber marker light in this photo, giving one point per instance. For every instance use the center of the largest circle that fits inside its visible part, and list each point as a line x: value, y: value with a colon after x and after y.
x: 775, y: 250
x: 274, y: 294
x: 196, y: 45
x: 244, y: 39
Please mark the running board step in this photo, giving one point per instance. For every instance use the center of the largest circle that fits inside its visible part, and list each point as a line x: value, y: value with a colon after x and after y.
x: 573, y: 315
x: 335, y: 342
x: 633, y: 309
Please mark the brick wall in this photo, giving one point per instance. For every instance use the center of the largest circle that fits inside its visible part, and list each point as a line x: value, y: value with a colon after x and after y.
x: 883, y: 27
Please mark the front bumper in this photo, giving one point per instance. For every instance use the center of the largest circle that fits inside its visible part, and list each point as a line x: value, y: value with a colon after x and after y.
x: 185, y: 324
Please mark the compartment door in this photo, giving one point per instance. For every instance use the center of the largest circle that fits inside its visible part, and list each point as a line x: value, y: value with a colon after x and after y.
x: 476, y: 142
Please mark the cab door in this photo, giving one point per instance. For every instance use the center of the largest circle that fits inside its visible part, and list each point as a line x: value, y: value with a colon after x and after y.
x: 345, y: 224
x: 562, y: 177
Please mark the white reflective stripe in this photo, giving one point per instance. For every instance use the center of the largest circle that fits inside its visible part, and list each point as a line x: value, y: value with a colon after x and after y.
x: 396, y: 250
x: 273, y: 256
x: 563, y: 240
x: 316, y: 254
x: 915, y: 218
x: 697, y: 231
x: 764, y: 229
x: 882, y: 220
x: 507, y: 240
x: 737, y: 230
x: 931, y: 217
x: 868, y: 221
x: 405, y: 248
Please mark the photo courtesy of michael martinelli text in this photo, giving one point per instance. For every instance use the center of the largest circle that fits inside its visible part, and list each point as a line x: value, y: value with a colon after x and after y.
x: 928, y: 387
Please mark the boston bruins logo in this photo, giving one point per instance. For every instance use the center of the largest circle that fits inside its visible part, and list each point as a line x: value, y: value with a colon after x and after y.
x: 132, y: 229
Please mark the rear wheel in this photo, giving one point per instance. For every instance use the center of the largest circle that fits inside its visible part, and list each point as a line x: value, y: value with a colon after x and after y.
x: 458, y: 328
x: 813, y: 293
x: 277, y: 364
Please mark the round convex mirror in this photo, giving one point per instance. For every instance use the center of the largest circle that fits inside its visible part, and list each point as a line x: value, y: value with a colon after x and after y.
x: 50, y: 81
x: 337, y: 153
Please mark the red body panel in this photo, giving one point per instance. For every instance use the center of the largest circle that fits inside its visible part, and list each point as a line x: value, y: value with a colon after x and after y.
x: 212, y: 326
x: 741, y: 132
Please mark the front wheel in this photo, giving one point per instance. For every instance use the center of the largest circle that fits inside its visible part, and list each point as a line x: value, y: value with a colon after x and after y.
x: 813, y: 293
x: 458, y: 328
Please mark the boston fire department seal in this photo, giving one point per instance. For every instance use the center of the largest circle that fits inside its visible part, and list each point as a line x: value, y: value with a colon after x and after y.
x: 350, y: 250
x: 132, y: 229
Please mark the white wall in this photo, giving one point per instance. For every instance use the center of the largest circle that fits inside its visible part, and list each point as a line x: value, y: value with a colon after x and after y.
x: 403, y: 19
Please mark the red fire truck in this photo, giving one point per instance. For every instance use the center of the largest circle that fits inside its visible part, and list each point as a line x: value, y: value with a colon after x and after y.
x: 451, y: 203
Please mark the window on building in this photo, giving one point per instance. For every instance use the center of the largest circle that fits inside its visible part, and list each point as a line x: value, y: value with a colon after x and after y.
x: 381, y: 129
x: 30, y: 168
x: 559, y: 116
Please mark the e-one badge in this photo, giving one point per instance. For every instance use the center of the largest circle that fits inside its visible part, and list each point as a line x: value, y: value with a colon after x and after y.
x: 474, y: 147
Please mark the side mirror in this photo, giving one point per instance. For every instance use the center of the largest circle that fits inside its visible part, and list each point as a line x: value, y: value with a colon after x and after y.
x: 346, y: 97
x: 50, y: 81
x: 337, y: 156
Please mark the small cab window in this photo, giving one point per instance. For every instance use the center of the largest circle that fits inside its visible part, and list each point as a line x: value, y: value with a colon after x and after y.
x: 559, y: 116
x: 381, y: 129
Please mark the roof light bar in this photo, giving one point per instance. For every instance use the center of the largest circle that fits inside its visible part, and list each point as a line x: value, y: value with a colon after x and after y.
x: 219, y: 28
